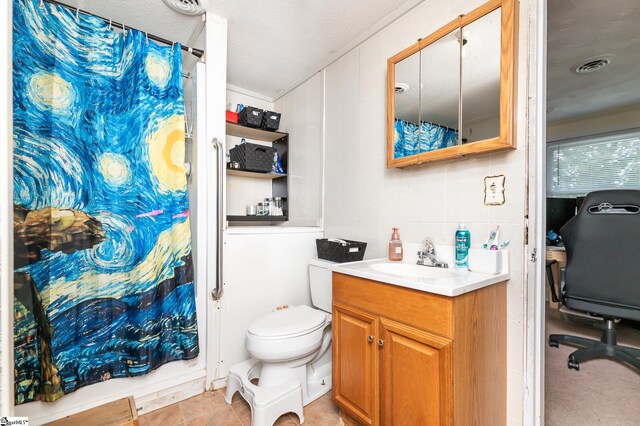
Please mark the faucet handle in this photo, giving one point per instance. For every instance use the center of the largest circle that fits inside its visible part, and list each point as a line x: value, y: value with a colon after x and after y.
x: 429, y: 245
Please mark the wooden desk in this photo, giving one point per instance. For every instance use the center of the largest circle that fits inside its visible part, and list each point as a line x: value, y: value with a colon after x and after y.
x: 555, y: 253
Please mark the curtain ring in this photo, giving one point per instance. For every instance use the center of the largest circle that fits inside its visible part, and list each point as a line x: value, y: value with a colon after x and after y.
x: 41, y: 4
x: 77, y: 13
x: 173, y: 43
x: 109, y: 24
x: 124, y: 30
x: 146, y: 34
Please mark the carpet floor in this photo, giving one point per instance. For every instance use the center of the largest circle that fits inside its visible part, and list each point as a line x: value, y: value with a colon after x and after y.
x: 602, y: 392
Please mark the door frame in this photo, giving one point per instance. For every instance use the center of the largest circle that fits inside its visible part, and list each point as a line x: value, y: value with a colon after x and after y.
x: 6, y: 212
x: 536, y: 124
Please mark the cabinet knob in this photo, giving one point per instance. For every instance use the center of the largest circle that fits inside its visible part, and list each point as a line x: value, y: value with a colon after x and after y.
x: 380, y: 342
x: 370, y: 338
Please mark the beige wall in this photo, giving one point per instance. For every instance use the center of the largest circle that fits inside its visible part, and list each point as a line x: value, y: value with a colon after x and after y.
x: 608, y: 121
x: 364, y: 199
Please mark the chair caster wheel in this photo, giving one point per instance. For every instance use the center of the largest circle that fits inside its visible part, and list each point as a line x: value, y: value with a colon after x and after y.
x: 573, y: 365
x: 553, y: 343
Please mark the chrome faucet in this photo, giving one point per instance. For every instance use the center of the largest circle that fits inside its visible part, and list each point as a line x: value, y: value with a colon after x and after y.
x: 429, y: 254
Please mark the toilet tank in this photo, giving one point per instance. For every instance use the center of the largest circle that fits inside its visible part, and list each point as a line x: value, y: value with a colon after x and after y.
x: 320, y: 283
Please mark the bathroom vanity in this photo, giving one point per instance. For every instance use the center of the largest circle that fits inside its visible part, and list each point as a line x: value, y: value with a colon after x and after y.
x: 418, y: 350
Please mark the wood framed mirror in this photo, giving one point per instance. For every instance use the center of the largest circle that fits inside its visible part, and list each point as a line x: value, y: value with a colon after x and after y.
x: 452, y: 94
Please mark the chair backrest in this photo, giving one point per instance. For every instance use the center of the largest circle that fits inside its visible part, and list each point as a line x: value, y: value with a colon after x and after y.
x: 603, y: 250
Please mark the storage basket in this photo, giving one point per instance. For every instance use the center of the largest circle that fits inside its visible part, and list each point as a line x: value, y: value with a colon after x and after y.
x: 337, y: 250
x: 270, y: 120
x: 250, y: 117
x: 253, y: 157
x: 232, y: 117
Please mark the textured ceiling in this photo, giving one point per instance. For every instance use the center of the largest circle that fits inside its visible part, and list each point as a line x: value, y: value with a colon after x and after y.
x: 581, y: 29
x: 272, y: 45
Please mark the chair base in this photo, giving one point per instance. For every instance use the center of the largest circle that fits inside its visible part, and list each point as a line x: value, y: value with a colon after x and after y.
x: 606, y: 347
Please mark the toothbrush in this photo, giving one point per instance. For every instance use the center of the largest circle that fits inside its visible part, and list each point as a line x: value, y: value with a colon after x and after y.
x: 505, y: 243
x: 494, y: 243
x: 491, y: 236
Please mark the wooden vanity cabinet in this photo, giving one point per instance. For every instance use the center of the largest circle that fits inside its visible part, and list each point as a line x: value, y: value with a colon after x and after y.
x: 406, y: 357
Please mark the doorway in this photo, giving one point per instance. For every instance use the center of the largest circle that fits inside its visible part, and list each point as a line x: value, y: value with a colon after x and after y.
x: 592, y: 143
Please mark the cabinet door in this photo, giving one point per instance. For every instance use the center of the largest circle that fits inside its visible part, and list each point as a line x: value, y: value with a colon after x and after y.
x: 416, y: 380
x: 355, y: 363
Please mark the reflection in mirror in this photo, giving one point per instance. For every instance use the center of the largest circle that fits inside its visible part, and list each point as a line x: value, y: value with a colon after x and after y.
x: 439, y: 104
x: 407, y: 106
x: 481, y: 78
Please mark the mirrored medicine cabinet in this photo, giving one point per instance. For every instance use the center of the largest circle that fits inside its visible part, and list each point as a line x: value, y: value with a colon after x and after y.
x: 452, y: 94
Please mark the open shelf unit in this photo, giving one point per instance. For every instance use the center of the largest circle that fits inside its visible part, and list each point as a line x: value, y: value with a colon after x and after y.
x: 235, y: 129
x: 245, y: 173
x: 279, y: 185
x: 239, y: 218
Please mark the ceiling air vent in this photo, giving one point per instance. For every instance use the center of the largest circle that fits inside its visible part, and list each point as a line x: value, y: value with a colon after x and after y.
x: 187, y: 7
x: 592, y: 64
x: 401, y: 88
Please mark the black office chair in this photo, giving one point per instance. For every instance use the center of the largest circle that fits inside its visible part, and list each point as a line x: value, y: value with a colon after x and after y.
x: 602, y: 276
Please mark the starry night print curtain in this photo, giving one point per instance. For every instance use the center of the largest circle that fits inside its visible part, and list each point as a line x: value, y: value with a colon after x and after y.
x: 103, y: 266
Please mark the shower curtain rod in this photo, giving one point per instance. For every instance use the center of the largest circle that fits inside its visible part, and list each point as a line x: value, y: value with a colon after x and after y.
x: 195, y: 52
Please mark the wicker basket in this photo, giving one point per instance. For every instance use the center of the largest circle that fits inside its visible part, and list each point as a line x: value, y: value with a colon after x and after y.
x: 253, y: 157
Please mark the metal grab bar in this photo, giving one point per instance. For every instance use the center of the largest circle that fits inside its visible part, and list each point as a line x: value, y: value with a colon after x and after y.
x: 216, y: 294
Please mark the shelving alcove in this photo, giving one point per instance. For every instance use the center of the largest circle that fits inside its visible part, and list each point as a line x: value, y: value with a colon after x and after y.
x: 278, y: 140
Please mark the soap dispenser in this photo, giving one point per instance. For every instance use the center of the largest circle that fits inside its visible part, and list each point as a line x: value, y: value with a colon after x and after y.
x: 395, y: 246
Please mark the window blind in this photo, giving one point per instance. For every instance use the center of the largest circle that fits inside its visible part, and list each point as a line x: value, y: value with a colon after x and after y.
x: 607, y: 161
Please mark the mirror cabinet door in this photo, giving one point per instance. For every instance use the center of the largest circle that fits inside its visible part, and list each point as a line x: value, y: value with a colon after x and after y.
x: 407, y: 106
x: 480, y: 84
x: 455, y: 89
x: 440, y: 94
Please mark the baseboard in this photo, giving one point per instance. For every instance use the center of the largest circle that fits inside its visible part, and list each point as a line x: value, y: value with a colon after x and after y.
x: 148, y: 397
x: 219, y: 384
x: 161, y: 399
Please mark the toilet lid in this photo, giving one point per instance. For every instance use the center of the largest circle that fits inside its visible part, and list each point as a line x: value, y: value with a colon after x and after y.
x: 292, y: 321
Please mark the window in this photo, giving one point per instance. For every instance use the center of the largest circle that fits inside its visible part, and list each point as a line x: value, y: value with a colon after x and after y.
x: 607, y: 161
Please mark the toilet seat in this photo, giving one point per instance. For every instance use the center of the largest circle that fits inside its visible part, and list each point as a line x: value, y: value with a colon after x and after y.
x: 288, y: 323
x: 287, y: 335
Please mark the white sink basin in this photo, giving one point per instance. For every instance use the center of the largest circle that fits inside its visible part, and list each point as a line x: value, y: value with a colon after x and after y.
x: 444, y: 281
x: 412, y: 270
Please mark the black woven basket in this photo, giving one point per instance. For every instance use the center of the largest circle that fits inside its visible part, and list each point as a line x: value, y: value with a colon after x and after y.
x: 253, y: 157
x: 349, y: 251
x: 270, y: 120
x: 250, y: 117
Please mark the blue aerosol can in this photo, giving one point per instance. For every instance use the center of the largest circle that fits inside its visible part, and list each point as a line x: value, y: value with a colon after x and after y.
x: 463, y: 242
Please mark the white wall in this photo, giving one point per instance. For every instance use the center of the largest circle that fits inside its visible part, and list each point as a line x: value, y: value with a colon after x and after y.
x: 264, y: 268
x: 608, y: 121
x: 302, y: 117
x: 364, y: 199
x: 242, y: 190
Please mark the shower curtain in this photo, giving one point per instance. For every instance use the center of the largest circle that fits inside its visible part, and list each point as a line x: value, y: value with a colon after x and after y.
x: 104, y: 272
x: 411, y: 139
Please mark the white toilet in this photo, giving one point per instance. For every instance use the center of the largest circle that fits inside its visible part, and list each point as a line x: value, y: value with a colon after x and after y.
x: 291, y: 355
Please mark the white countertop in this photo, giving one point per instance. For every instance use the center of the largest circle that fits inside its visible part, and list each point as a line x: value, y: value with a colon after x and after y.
x: 456, y: 282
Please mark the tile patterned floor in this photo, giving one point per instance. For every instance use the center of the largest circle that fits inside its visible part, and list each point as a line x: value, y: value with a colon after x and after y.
x: 210, y: 409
